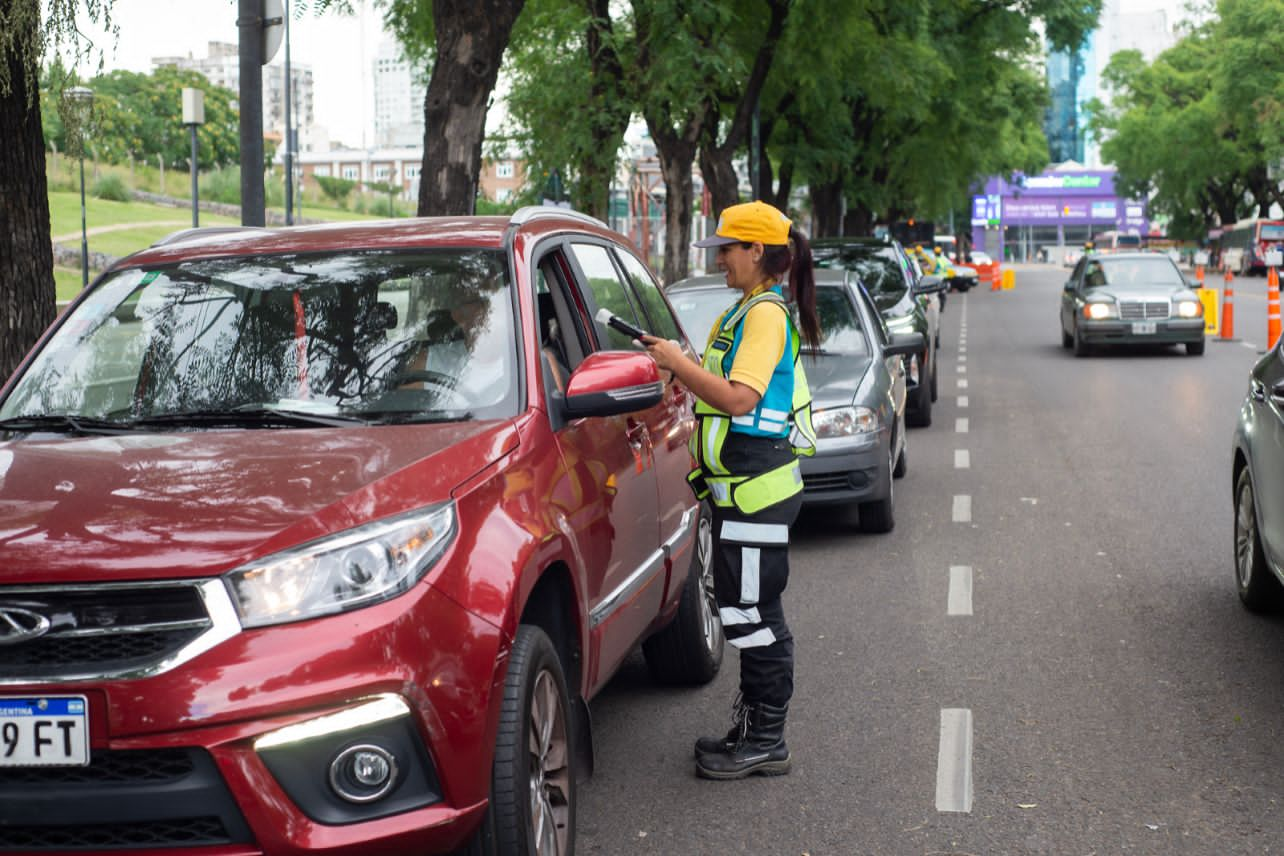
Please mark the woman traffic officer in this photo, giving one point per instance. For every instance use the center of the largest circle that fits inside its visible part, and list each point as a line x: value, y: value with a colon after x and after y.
x: 754, y: 412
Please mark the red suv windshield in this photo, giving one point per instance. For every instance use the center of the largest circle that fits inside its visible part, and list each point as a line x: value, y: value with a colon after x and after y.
x: 375, y: 335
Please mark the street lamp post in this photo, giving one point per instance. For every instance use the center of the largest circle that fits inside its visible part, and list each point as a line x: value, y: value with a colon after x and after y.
x: 82, y: 100
x: 193, y: 118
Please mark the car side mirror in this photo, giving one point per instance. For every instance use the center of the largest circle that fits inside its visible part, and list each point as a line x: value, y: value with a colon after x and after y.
x: 904, y: 345
x: 608, y: 383
x: 1069, y: 286
x: 929, y: 284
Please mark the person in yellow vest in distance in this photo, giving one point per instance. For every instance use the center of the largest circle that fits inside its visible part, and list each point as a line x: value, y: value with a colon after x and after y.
x: 941, y: 268
x: 754, y: 411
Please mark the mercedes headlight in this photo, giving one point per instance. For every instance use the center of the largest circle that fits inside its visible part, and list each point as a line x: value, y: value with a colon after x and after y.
x: 1100, y: 311
x: 1189, y: 308
x: 844, y: 422
x: 347, y: 571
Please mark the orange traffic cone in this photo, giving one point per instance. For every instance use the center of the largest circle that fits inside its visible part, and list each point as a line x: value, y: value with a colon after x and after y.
x: 995, y: 278
x: 1272, y: 307
x: 1228, y: 307
x: 1199, y: 275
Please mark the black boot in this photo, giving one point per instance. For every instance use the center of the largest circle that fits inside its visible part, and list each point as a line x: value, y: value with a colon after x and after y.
x: 707, y: 745
x: 759, y: 750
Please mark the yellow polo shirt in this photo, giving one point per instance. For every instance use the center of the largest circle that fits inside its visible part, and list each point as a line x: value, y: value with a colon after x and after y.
x: 762, y: 342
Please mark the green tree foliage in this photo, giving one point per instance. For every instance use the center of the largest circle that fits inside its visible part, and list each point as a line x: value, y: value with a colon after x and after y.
x: 141, y: 116
x: 336, y: 189
x: 1195, y: 130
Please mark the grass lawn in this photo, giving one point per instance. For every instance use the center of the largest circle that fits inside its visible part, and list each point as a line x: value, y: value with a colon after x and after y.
x: 153, y: 222
x: 67, y: 283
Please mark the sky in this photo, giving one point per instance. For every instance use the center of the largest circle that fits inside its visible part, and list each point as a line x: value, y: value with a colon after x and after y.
x: 339, y: 49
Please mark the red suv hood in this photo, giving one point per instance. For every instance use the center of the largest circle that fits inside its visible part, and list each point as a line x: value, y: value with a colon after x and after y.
x: 194, y: 504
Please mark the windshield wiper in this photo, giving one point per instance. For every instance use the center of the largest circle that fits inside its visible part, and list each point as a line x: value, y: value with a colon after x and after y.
x: 252, y: 415
x: 65, y: 423
x: 408, y: 417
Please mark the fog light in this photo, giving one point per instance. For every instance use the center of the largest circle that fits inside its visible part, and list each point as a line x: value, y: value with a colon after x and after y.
x: 363, y: 774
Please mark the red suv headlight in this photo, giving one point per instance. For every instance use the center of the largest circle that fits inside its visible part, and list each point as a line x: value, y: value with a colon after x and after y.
x: 345, y: 571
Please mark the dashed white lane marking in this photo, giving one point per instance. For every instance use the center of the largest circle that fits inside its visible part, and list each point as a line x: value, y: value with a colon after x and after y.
x: 962, y: 508
x: 962, y: 383
x: 962, y: 459
x: 959, y: 601
x: 954, y: 761
x: 1249, y: 345
x: 962, y: 401
x: 960, y: 425
x: 963, y: 368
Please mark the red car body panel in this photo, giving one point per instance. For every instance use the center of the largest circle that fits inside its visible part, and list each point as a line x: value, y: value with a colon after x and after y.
x: 596, y: 497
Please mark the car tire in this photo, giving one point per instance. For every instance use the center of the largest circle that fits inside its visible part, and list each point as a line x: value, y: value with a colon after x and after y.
x: 1195, y: 349
x: 533, y: 781
x: 1066, y: 339
x: 1081, y: 348
x: 688, y: 651
x: 919, y: 413
x: 878, y: 516
x: 934, y: 371
x: 1258, y: 588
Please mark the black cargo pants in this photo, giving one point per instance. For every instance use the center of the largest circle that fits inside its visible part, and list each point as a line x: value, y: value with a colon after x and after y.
x: 751, y: 571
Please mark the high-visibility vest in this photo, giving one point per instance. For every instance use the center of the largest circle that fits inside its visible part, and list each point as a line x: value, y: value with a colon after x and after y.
x: 783, y: 411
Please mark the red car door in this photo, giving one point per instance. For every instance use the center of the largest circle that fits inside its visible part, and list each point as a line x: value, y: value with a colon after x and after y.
x: 609, y: 493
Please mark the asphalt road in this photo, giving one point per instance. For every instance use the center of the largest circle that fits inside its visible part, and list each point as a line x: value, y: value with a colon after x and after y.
x: 1046, y: 656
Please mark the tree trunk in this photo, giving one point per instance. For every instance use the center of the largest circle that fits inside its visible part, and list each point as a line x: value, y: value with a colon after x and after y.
x: 677, y: 154
x: 715, y: 157
x: 471, y: 36
x: 858, y: 221
x: 827, y: 208
x: 26, y: 254
x: 610, y: 118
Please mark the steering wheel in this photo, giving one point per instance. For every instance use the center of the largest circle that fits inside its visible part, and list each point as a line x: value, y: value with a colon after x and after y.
x: 443, y: 386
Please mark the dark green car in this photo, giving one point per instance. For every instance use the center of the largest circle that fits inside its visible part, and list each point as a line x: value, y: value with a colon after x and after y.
x: 908, y: 305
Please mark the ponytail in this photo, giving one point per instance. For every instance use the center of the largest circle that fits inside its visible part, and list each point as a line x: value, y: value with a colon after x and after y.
x: 802, y: 281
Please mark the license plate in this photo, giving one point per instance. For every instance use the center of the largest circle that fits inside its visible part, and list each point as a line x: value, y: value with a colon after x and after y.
x: 1143, y: 328
x: 44, y: 731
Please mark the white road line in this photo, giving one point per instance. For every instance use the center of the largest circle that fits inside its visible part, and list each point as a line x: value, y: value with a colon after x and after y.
x: 963, y: 369
x: 962, y: 508
x: 954, y: 761
x: 962, y: 383
x: 962, y: 345
x: 959, y: 601
x: 962, y: 359
x: 960, y: 425
x: 962, y: 459
x: 1249, y: 345
x: 962, y: 401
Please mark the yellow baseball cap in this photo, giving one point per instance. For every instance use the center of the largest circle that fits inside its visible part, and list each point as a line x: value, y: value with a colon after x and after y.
x: 749, y: 222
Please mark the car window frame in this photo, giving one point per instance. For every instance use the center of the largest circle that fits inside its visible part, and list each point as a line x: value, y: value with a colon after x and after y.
x: 586, y: 290
x: 651, y: 327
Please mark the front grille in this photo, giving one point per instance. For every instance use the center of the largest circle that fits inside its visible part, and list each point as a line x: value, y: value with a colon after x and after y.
x: 155, y: 765
x: 826, y: 481
x: 1136, y: 310
x: 183, y: 832
x: 137, y: 798
x: 110, y: 630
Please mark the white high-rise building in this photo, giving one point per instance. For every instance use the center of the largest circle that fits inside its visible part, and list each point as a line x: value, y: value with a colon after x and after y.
x: 399, y: 90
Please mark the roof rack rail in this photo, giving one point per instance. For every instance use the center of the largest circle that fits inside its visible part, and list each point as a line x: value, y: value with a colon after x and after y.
x: 202, y: 232
x: 532, y: 212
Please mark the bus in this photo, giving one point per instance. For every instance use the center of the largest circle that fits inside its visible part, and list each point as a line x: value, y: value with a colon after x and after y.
x: 1244, y: 245
x: 1116, y: 241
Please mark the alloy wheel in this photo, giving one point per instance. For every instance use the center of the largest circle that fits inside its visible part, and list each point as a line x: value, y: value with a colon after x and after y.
x: 709, y: 619
x: 550, y: 775
x: 1245, y: 534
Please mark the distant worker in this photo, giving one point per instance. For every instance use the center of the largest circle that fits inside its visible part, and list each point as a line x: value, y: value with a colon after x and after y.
x: 941, y: 267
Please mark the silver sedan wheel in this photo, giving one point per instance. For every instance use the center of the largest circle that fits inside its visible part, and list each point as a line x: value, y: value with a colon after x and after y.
x: 549, y: 768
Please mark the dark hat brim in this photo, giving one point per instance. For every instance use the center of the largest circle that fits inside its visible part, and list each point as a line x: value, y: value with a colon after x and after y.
x: 715, y: 241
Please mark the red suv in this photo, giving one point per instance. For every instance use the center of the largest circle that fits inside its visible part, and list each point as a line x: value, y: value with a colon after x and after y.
x: 319, y: 540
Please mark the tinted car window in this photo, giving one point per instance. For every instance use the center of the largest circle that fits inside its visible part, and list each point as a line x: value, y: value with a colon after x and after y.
x: 841, y: 331
x: 345, y: 334
x: 660, y: 318
x: 608, y: 293
x: 879, y: 268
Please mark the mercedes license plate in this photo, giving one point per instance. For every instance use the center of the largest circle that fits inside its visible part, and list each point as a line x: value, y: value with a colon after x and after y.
x: 1143, y: 328
x: 44, y: 731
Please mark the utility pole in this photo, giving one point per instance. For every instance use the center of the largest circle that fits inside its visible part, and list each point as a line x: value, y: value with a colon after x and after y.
x: 249, y: 24
x: 289, y: 124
